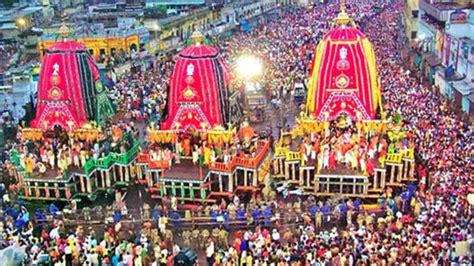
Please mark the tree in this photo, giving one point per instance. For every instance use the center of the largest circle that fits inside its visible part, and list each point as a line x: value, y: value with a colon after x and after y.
x: 8, y: 3
x: 161, y: 11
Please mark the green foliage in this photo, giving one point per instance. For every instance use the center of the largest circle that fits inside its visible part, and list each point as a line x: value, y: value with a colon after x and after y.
x: 161, y: 10
x: 206, y: 41
x: 8, y: 3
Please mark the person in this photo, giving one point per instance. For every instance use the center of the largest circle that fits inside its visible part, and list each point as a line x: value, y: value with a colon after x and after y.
x: 186, y: 238
x: 319, y: 218
x: 195, y: 238
x: 223, y: 241
x: 210, y: 250
x: 204, y: 238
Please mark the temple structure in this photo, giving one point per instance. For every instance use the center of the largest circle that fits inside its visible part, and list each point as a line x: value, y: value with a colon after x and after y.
x: 344, y: 80
x: 199, y: 89
x: 70, y: 91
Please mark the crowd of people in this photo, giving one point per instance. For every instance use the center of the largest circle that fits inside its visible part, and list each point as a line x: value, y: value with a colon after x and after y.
x: 433, y: 221
x: 141, y: 96
x: 7, y: 53
x: 420, y: 226
x: 59, y: 151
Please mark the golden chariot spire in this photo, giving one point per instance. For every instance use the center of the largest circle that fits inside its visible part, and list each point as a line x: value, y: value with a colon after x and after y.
x: 343, y: 18
x: 197, y: 37
x: 64, y: 30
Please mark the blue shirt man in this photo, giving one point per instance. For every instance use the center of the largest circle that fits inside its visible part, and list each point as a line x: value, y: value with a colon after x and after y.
x: 240, y: 214
x: 257, y: 215
x: 117, y: 216
x: 325, y: 209
x: 356, y: 204
x: 314, y: 209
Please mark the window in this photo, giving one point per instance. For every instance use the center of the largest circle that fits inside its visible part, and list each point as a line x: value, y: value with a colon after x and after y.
x: 414, y: 13
x: 413, y: 34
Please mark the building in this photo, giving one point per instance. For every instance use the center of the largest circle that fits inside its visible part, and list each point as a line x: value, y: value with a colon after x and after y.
x: 213, y: 19
x: 173, y: 6
x: 67, y: 7
x: 18, y: 20
x: 411, y: 13
x: 111, y: 15
x: 442, y: 47
x: 455, y: 78
x: 104, y: 43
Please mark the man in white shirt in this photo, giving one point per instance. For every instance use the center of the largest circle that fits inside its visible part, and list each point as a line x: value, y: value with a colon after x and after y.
x: 210, y: 252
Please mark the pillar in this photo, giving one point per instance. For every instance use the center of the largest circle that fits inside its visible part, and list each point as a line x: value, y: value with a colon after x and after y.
x: 411, y: 175
x: 308, y: 177
x: 183, y: 192
x: 221, y: 188
x: 276, y: 166
x: 114, y: 175
x: 89, y: 185
x: 37, y: 191
x: 399, y: 173
x: 26, y: 190
x: 392, y: 173
x: 83, y: 186
x: 191, y: 191
x: 287, y: 171
x: 96, y: 179
x: 340, y: 185
x: 236, y: 182
x: 148, y: 179
x: 107, y: 179
x: 365, y: 187
x: 245, y: 177
x: 301, y: 174
x: 173, y: 189
x: 280, y: 166
x: 127, y: 173
x: 254, y: 179
x: 56, y: 188
x: 354, y: 185
x: 102, y: 178
x: 293, y: 171
x: 139, y: 172
x: 231, y: 183
x: 163, y: 190
x: 406, y: 165
x: 120, y: 173
x: 376, y: 175
x: 28, y: 185
x: 316, y: 185
x: 382, y: 179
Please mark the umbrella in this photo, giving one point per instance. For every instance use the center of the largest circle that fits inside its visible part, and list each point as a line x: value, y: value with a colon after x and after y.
x: 12, y: 255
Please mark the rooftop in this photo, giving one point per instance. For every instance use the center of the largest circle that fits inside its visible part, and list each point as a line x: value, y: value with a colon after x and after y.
x: 83, y: 32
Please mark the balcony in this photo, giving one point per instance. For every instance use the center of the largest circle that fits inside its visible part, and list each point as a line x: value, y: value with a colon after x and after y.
x: 430, y: 25
x: 439, y: 11
x: 153, y: 3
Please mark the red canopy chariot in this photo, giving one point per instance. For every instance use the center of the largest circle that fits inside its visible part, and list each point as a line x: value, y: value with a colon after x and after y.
x: 199, y: 89
x: 70, y: 91
x: 344, y: 78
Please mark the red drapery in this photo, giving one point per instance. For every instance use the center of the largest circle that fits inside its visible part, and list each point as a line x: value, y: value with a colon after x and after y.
x: 60, y: 99
x: 197, y: 89
x: 343, y: 77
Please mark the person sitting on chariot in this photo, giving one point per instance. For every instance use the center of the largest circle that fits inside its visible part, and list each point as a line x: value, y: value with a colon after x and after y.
x: 41, y: 167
